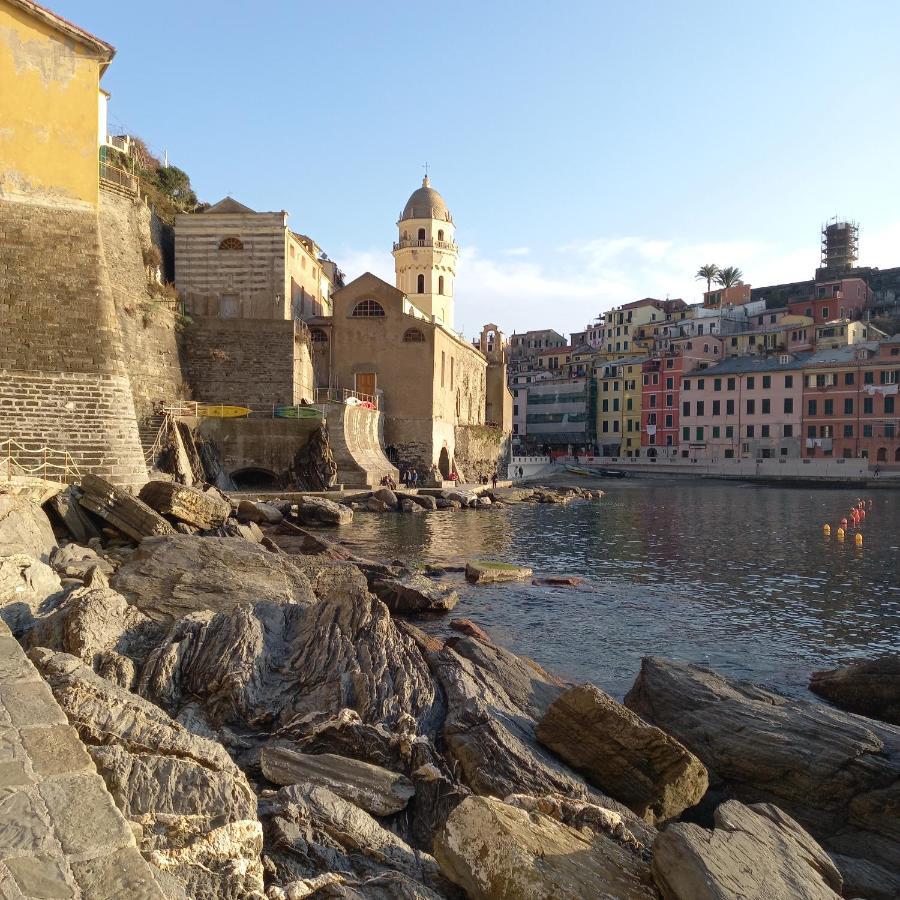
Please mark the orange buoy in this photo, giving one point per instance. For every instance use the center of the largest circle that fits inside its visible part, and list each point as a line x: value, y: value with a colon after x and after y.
x: 858, y: 539
x: 826, y: 529
x: 840, y: 534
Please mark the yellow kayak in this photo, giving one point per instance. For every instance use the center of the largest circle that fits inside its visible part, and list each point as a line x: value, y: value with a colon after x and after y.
x: 220, y: 411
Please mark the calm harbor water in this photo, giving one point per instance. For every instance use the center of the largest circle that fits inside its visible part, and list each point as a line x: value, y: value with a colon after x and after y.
x: 737, y: 577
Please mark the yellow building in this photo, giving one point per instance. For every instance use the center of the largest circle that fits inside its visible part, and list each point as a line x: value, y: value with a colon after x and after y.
x: 50, y: 74
x: 628, y: 328
x: 619, y: 386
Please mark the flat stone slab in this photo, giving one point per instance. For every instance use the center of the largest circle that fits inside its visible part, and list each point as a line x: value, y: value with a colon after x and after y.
x: 488, y: 572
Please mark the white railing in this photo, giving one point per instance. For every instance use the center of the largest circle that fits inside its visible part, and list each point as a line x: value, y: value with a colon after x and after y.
x: 49, y: 463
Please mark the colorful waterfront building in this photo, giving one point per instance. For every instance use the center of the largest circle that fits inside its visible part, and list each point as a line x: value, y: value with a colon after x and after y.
x: 618, y: 417
x: 837, y: 299
x: 744, y: 407
x: 851, y: 407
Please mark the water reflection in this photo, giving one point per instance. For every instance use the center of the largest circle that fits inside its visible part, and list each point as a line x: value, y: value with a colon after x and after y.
x: 735, y: 576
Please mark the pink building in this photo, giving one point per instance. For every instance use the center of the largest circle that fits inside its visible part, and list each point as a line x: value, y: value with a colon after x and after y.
x: 839, y: 299
x: 743, y: 407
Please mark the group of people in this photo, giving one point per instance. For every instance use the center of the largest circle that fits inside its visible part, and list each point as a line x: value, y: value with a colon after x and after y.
x: 410, y: 477
x: 492, y: 480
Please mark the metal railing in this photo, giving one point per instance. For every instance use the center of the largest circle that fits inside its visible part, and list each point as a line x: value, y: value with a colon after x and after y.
x: 440, y: 245
x: 342, y: 395
x: 115, y: 175
x: 49, y: 463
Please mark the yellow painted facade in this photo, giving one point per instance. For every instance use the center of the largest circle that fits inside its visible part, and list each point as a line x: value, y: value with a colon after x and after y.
x: 619, y: 387
x: 49, y: 86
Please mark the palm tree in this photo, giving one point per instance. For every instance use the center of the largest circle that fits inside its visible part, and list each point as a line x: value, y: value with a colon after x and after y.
x: 709, y: 271
x: 730, y: 276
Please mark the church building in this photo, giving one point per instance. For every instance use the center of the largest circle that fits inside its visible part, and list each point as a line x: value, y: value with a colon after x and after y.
x: 396, y: 345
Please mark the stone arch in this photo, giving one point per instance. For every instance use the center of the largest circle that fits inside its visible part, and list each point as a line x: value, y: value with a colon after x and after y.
x: 421, y: 234
x: 255, y: 478
x: 444, y: 463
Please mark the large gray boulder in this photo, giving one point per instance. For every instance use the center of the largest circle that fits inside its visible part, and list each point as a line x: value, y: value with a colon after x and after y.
x: 319, y: 511
x: 620, y: 753
x: 753, y: 851
x: 312, y: 832
x: 481, y: 571
x: 24, y: 528
x: 415, y: 594
x: 262, y: 665
x: 28, y: 589
x: 497, y: 851
x: 194, y: 808
x: 121, y: 509
x: 376, y: 790
x: 870, y: 687
x: 837, y: 774
x: 168, y: 577
x: 201, y: 509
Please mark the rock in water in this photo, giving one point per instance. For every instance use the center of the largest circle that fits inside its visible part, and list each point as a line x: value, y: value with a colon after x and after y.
x: 870, y: 688
x: 311, y: 831
x: 376, y: 790
x: 621, y: 754
x: 196, y: 810
x: 753, y: 851
x: 415, y: 594
x: 496, y: 851
x: 24, y: 528
x: 485, y: 572
x: 263, y: 665
x: 319, y: 511
x: 187, y: 504
x: 167, y: 577
x: 121, y: 509
x: 386, y: 496
x: 28, y: 588
x: 837, y: 774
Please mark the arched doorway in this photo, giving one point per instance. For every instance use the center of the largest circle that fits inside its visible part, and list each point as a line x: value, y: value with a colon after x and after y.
x: 897, y: 455
x: 651, y: 452
x: 255, y: 479
x: 444, y: 463
x: 882, y: 454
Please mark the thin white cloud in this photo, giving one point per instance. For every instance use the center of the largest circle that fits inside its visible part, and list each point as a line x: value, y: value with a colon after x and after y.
x: 517, y: 251
x: 578, y: 281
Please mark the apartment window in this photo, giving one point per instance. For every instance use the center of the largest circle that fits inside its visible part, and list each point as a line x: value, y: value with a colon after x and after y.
x: 734, y: 342
x: 653, y: 399
x: 729, y: 407
x: 767, y: 381
x: 751, y: 407
x: 615, y: 404
x: 764, y: 430
x: 829, y: 407
x: 826, y: 431
x: 888, y: 377
x: 729, y: 453
x: 788, y: 430
x: 811, y: 431
x: 669, y: 421
x: 848, y: 406
x: 670, y: 364
x: 685, y: 409
x: 651, y: 419
x: 788, y: 381
x: 686, y: 384
x: 751, y: 382
x: 670, y: 381
x: 729, y: 431
x: 717, y: 407
x: 867, y: 431
x: 701, y: 407
x: 655, y: 378
x: 824, y: 313
x: 751, y: 431
x: 869, y: 377
x: 811, y: 408
x: 605, y: 425
x: 868, y: 405
x: 605, y: 406
x: 701, y: 383
x: 699, y: 432
x: 685, y: 433
x: 731, y: 384
x: 716, y: 431
x: 888, y: 404
x: 766, y: 407
x: 848, y: 431
x: 646, y: 379
x: 848, y: 378
x: 669, y: 400
x: 717, y: 384
x: 628, y: 403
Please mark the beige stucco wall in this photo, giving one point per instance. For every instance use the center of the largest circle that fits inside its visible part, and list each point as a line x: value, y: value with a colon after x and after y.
x: 49, y: 85
x: 431, y: 260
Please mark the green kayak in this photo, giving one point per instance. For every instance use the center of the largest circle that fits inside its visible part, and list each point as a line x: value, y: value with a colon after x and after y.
x: 297, y: 412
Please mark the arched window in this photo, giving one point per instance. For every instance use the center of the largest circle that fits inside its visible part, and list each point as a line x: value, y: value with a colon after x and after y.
x: 317, y: 336
x: 413, y: 336
x: 231, y: 243
x: 421, y: 234
x: 420, y: 284
x: 440, y: 234
x: 440, y: 284
x: 368, y: 309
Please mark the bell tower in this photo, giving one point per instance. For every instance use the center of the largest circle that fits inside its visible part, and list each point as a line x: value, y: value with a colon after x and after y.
x: 425, y: 253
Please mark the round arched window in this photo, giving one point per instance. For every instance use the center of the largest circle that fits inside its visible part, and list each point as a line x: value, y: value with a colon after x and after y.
x: 413, y: 336
x: 421, y: 234
x: 231, y: 243
x: 368, y: 309
x: 440, y: 234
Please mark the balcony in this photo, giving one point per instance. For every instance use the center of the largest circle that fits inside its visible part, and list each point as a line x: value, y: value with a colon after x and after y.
x: 437, y: 245
x: 118, y: 179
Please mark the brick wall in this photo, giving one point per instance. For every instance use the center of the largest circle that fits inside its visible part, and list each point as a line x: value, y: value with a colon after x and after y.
x: 247, y: 362
x: 63, y: 380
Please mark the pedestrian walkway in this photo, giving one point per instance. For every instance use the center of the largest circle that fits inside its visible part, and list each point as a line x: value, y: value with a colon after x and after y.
x: 61, y: 835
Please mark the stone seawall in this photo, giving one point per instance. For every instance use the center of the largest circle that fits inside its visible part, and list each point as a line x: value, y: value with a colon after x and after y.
x: 63, y: 379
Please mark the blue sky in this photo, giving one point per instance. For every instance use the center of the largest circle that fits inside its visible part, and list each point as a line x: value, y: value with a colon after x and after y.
x: 591, y: 153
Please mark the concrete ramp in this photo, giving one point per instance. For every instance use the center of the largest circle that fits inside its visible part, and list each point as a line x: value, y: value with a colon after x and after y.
x: 356, y: 436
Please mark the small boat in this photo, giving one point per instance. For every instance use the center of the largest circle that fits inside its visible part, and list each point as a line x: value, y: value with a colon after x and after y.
x: 297, y: 412
x: 221, y: 411
x: 579, y: 470
x: 613, y: 473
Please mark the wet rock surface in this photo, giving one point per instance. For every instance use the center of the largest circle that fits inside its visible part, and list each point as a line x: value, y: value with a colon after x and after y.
x: 870, y: 688
x: 322, y: 512
x: 488, y: 572
x: 415, y: 594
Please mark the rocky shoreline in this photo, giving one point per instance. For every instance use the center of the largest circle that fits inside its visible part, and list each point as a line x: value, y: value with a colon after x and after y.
x: 272, y: 724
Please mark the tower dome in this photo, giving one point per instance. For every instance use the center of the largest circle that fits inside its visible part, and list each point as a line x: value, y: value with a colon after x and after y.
x: 425, y: 253
x: 425, y: 203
